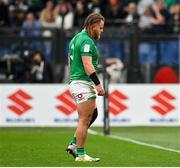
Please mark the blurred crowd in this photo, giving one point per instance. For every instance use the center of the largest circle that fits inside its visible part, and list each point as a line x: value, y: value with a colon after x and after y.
x: 33, y: 64
x: 150, y: 15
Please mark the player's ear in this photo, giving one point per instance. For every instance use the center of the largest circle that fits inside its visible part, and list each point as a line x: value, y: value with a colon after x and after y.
x: 93, y: 26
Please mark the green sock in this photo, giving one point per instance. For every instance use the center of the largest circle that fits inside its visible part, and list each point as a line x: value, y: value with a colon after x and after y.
x: 73, y: 141
x: 80, y: 151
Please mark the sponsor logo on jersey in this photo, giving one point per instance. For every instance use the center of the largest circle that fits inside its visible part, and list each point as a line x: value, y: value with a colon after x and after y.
x: 86, y: 48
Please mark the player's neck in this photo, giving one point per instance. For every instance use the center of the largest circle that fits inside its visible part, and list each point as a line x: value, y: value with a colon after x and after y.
x: 89, y: 33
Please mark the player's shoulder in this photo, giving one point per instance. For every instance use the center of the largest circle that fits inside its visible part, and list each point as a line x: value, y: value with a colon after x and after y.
x: 84, y: 37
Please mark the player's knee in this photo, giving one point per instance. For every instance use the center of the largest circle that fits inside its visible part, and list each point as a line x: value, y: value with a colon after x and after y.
x: 85, y: 121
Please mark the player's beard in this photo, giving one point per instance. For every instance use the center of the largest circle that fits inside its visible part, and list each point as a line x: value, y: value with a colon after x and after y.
x: 97, y: 35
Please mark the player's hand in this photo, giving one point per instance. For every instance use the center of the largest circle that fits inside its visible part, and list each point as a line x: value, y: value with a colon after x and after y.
x: 100, y: 90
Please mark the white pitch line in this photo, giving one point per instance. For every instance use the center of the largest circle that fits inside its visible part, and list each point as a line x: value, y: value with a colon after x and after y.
x: 135, y: 141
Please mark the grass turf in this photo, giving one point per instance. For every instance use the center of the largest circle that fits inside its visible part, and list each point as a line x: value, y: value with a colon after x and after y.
x: 46, y: 147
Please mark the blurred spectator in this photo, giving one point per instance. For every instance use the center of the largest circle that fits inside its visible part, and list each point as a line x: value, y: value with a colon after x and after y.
x: 175, y: 18
x: 4, y: 18
x: 41, y: 71
x: 165, y: 75
x: 48, y: 10
x: 80, y: 13
x: 17, y: 10
x: 114, y: 69
x: 64, y: 15
x: 161, y: 17
x: 132, y: 13
x: 114, y: 11
x: 31, y: 26
x: 49, y: 20
x: 145, y: 19
x: 95, y: 6
x: 47, y: 17
x: 143, y: 4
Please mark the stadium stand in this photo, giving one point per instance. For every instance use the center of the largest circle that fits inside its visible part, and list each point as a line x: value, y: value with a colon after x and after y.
x: 141, y: 33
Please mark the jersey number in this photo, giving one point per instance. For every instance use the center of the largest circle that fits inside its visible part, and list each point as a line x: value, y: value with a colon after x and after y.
x: 72, y: 52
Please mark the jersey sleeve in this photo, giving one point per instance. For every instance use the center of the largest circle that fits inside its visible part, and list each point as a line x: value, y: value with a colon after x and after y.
x: 86, y: 48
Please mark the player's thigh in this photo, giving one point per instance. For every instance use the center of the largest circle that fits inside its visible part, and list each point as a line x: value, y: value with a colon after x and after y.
x: 86, y: 108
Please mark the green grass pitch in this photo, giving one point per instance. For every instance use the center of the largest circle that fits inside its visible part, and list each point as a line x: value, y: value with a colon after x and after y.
x: 46, y: 147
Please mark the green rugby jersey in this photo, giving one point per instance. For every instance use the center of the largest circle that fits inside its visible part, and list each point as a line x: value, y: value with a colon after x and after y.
x: 81, y: 45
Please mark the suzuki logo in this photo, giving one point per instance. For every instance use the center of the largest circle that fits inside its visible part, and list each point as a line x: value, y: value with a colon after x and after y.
x: 115, y: 102
x: 68, y: 106
x: 19, y: 98
x: 164, y: 106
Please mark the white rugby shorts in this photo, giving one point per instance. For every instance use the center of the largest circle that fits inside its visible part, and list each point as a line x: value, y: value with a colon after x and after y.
x: 82, y: 90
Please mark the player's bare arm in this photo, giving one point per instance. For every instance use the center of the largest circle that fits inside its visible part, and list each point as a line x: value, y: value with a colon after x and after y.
x: 89, y: 68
